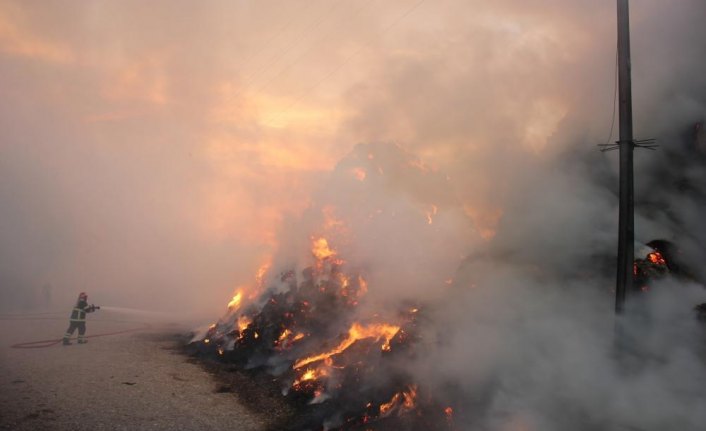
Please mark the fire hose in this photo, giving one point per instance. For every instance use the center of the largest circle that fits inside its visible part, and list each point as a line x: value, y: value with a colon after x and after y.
x: 51, y: 342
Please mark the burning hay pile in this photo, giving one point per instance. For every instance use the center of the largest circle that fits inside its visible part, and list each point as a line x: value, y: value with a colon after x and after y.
x: 341, y: 372
x: 316, y: 323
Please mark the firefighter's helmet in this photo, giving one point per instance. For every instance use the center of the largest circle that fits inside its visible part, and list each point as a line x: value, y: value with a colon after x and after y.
x: 83, y: 296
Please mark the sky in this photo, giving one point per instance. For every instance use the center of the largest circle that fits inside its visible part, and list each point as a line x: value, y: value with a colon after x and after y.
x: 151, y: 153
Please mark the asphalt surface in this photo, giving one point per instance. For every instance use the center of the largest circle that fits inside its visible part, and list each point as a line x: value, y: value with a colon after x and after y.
x: 128, y: 381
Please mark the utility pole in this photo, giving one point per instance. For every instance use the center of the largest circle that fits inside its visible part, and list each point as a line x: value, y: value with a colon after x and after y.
x: 626, y: 224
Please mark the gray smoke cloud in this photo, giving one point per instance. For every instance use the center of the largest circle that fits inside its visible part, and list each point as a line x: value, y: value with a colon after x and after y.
x: 526, y: 336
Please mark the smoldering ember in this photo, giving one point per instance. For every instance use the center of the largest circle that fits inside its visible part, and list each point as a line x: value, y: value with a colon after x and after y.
x: 353, y: 215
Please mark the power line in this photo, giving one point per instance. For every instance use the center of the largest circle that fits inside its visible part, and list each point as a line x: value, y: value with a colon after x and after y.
x: 246, y: 63
x: 303, y: 54
x: 251, y: 77
x: 345, y: 62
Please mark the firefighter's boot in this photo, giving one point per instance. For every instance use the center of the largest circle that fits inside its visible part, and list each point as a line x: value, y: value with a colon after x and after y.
x: 66, y: 342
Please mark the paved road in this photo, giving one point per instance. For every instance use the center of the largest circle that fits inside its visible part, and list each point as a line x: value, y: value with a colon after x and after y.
x: 130, y: 381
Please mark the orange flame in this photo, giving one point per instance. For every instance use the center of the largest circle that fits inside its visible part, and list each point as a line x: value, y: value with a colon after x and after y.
x: 410, y: 397
x: 243, y: 323
x: 261, y: 272
x: 449, y: 412
x: 386, y: 408
x: 235, y: 302
x: 309, y: 375
x: 403, y: 401
x: 321, y: 250
x: 286, y: 339
x: 355, y: 333
x: 284, y: 335
x: 351, y: 291
x: 656, y: 258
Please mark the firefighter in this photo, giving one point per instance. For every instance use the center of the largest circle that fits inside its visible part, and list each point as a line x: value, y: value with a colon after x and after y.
x: 78, y: 319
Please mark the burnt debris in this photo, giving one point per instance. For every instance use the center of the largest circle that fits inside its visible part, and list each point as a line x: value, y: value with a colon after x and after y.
x: 336, y: 370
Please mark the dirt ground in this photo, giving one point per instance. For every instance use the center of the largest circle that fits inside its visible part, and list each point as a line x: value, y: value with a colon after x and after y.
x: 131, y: 381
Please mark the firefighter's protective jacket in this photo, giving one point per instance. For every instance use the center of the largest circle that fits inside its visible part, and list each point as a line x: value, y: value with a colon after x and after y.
x: 79, y: 312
